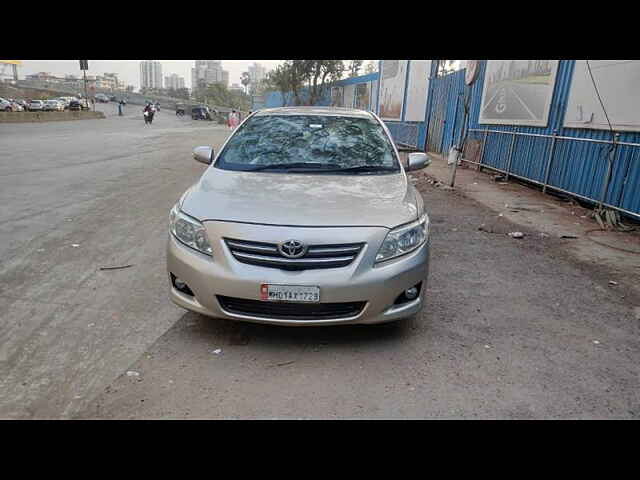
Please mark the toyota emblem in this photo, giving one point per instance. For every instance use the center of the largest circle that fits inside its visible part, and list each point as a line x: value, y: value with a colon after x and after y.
x: 292, y: 249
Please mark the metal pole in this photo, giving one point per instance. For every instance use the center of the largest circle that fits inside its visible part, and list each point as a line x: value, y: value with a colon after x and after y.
x: 484, y: 142
x: 612, y: 155
x: 86, y: 95
x: 513, y: 140
x: 547, y: 172
x: 453, y: 145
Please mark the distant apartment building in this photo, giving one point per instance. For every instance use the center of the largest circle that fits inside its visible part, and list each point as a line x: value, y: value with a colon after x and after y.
x: 44, y: 77
x: 108, y: 81
x: 150, y: 74
x: 174, y: 81
x: 208, y: 72
x: 256, y: 73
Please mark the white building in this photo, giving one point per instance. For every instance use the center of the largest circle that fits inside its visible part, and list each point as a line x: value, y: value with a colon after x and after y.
x: 208, y: 72
x: 256, y: 73
x: 174, y: 81
x: 150, y: 74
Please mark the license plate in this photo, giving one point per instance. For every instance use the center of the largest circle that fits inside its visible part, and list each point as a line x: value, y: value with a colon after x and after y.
x: 289, y: 293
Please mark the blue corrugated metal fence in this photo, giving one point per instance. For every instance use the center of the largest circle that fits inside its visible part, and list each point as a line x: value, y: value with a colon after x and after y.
x: 571, y: 160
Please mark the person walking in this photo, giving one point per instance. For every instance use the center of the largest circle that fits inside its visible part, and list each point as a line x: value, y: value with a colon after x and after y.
x: 120, y: 107
x: 233, y: 119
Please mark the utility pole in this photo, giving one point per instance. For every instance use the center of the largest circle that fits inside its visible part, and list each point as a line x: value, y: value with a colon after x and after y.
x: 84, y: 66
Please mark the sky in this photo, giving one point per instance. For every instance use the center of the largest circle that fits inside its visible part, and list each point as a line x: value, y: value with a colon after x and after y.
x: 129, y: 70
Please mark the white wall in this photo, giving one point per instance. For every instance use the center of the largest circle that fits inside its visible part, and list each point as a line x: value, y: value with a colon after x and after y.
x: 618, y: 82
x: 393, y: 75
x: 349, y: 95
x: 417, y: 90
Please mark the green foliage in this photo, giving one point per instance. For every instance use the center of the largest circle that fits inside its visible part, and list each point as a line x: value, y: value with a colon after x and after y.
x: 371, y: 67
x: 354, y: 67
x: 292, y: 76
x: 219, y: 95
x: 245, y: 80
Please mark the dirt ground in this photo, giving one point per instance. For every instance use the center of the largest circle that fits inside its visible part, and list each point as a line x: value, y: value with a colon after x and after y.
x: 514, y: 329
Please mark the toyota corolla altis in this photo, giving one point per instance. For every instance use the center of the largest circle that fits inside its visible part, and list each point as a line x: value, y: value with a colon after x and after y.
x: 305, y: 217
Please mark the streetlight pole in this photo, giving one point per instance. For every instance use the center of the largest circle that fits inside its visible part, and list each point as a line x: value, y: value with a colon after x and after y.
x: 86, y: 95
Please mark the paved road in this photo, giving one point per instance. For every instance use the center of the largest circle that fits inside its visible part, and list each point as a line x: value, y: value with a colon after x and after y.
x: 508, y: 333
x: 68, y: 329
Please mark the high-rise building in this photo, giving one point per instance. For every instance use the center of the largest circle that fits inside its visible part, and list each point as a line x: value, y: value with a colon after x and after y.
x: 208, y: 72
x: 150, y: 74
x: 174, y: 81
x: 256, y: 73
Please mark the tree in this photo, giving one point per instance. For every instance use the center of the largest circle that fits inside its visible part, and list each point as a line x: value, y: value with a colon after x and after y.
x: 354, y: 67
x: 281, y: 79
x: 218, y: 95
x: 182, y: 93
x: 371, y: 67
x: 293, y: 76
x: 245, y: 80
x: 316, y: 76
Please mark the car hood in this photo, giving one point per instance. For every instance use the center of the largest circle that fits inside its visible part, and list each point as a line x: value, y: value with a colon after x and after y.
x: 302, y: 199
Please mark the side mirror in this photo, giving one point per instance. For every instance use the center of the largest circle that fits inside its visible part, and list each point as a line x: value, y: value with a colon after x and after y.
x: 418, y: 160
x: 203, y: 155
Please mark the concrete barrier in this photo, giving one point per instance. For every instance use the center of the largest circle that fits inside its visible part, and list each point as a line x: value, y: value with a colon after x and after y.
x: 25, y: 117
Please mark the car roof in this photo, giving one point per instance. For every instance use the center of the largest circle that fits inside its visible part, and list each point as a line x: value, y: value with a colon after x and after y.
x: 328, y: 111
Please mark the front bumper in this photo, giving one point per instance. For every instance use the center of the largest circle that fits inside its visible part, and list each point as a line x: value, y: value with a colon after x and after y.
x: 378, y: 285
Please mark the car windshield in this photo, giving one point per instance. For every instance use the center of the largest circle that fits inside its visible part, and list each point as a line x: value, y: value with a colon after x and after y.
x: 303, y: 143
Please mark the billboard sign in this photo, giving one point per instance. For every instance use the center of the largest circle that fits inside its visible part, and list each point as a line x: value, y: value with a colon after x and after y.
x: 393, y: 75
x: 518, y: 92
x: 618, y: 82
x: 417, y: 90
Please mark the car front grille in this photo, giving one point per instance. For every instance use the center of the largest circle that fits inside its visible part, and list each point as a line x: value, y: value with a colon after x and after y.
x: 317, y: 256
x: 293, y: 311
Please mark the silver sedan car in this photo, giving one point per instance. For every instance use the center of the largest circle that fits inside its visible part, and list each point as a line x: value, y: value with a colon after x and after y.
x: 305, y: 217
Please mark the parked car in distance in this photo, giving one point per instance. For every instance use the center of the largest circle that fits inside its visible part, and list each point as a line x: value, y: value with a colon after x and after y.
x: 64, y: 102
x: 102, y: 98
x: 113, y: 98
x: 53, y: 106
x: 75, y: 105
x: 36, y: 106
x: 6, y: 105
x: 316, y: 223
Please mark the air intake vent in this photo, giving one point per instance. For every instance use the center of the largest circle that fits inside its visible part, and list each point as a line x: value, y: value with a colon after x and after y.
x: 316, y: 256
x: 293, y: 311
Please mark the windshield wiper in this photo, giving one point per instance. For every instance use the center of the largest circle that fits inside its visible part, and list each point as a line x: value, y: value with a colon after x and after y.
x: 294, y: 165
x: 364, y: 168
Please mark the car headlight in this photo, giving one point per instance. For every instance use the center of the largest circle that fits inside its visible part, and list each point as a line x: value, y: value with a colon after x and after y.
x: 189, y: 231
x: 404, y: 239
